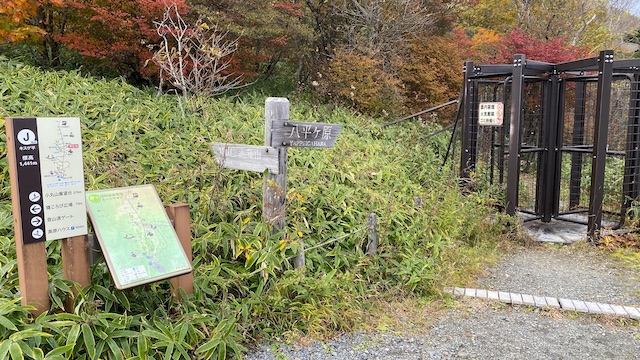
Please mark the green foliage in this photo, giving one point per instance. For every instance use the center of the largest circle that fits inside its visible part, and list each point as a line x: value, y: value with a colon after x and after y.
x: 245, y: 287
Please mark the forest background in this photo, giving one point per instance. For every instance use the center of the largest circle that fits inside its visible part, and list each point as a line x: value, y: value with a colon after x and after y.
x: 380, y: 57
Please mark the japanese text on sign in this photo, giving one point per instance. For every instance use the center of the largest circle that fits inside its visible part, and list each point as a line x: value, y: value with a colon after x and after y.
x: 491, y: 113
x: 305, y: 134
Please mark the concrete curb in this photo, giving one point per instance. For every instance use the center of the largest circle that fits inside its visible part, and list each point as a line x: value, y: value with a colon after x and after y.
x: 548, y: 302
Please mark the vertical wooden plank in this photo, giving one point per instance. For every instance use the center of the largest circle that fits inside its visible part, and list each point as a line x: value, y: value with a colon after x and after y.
x: 275, y: 185
x: 179, y: 213
x: 75, y: 264
x: 274, y: 195
x: 32, y: 258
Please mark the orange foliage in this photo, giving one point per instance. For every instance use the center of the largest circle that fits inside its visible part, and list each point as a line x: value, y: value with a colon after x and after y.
x: 358, y: 80
x: 13, y: 14
x: 432, y: 71
x: 485, y: 45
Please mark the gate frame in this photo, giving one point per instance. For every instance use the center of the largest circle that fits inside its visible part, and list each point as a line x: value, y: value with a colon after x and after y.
x: 547, y: 200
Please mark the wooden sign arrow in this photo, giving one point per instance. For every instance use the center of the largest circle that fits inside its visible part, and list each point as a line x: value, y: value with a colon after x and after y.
x: 246, y: 157
x: 300, y: 134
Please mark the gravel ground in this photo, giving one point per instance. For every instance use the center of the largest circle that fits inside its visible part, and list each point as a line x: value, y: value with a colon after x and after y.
x: 479, y: 329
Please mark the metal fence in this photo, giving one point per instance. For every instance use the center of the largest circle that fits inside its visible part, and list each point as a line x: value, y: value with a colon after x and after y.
x: 574, y: 129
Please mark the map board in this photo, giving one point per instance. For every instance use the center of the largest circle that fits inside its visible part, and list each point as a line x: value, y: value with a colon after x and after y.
x: 491, y: 113
x: 49, y: 177
x: 137, y: 239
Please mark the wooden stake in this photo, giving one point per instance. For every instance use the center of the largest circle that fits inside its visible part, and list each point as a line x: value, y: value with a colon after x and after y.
x: 372, y: 244
x: 179, y: 213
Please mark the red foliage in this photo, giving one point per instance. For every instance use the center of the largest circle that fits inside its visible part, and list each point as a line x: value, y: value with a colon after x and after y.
x: 290, y: 8
x: 552, y: 51
x: 120, y: 32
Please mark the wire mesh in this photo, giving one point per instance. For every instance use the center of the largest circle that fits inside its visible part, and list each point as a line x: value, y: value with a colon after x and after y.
x: 490, y: 161
x: 577, y: 148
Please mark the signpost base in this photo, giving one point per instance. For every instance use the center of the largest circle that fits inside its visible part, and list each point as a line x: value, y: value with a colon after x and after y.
x: 75, y: 265
x: 179, y: 213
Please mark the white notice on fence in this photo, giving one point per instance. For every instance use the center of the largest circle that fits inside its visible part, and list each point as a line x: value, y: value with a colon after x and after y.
x: 491, y: 113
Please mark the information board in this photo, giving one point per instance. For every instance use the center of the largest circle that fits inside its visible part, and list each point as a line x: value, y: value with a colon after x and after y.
x: 491, y: 113
x: 137, y: 239
x: 49, y: 177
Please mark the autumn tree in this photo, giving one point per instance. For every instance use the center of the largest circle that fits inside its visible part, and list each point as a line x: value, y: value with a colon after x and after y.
x: 116, y: 34
x: 431, y: 73
x: 554, y: 50
x: 13, y: 20
x: 196, y: 58
x: 269, y: 32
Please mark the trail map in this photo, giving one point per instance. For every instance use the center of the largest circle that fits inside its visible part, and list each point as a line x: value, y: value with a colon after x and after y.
x: 137, y: 239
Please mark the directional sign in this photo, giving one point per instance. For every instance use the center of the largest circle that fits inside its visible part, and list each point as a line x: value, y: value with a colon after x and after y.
x: 48, y: 174
x: 299, y: 134
x: 246, y: 157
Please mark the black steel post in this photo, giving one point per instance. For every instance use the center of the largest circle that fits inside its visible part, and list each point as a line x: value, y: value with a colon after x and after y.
x: 513, y: 163
x: 549, y: 157
x: 502, y: 131
x: 603, y: 105
x: 465, y: 151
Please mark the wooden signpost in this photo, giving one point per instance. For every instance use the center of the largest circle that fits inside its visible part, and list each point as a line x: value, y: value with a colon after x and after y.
x: 279, y: 135
x: 47, y: 193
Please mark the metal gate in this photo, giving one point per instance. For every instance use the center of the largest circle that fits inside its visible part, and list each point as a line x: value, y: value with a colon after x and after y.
x: 574, y: 128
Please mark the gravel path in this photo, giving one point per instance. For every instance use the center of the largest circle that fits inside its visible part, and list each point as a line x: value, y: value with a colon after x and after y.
x: 480, y: 329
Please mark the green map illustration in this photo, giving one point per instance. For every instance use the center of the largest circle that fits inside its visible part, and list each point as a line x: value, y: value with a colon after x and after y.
x: 136, y: 236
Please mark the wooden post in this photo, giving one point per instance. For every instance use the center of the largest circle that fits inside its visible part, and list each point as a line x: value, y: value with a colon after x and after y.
x: 32, y: 257
x: 372, y: 244
x: 76, y: 264
x: 299, y: 260
x: 275, y: 185
x: 274, y: 196
x: 179, y: 213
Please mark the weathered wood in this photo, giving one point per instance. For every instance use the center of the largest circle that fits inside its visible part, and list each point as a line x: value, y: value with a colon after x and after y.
x: 372, y: 244
x: 301, y: 134
x: 76, y: 264
x: 179, y: 213
x: 299, y: 259
x: 246, y: 157
x: 275, y: 185
x: 31, y: 258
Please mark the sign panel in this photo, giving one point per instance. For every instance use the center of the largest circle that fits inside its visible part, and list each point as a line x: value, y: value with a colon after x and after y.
x: 491, y: 113
x: 246, y: 157
x: 136, y: 236
x: 50, y: 178
x: 299, y: 134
